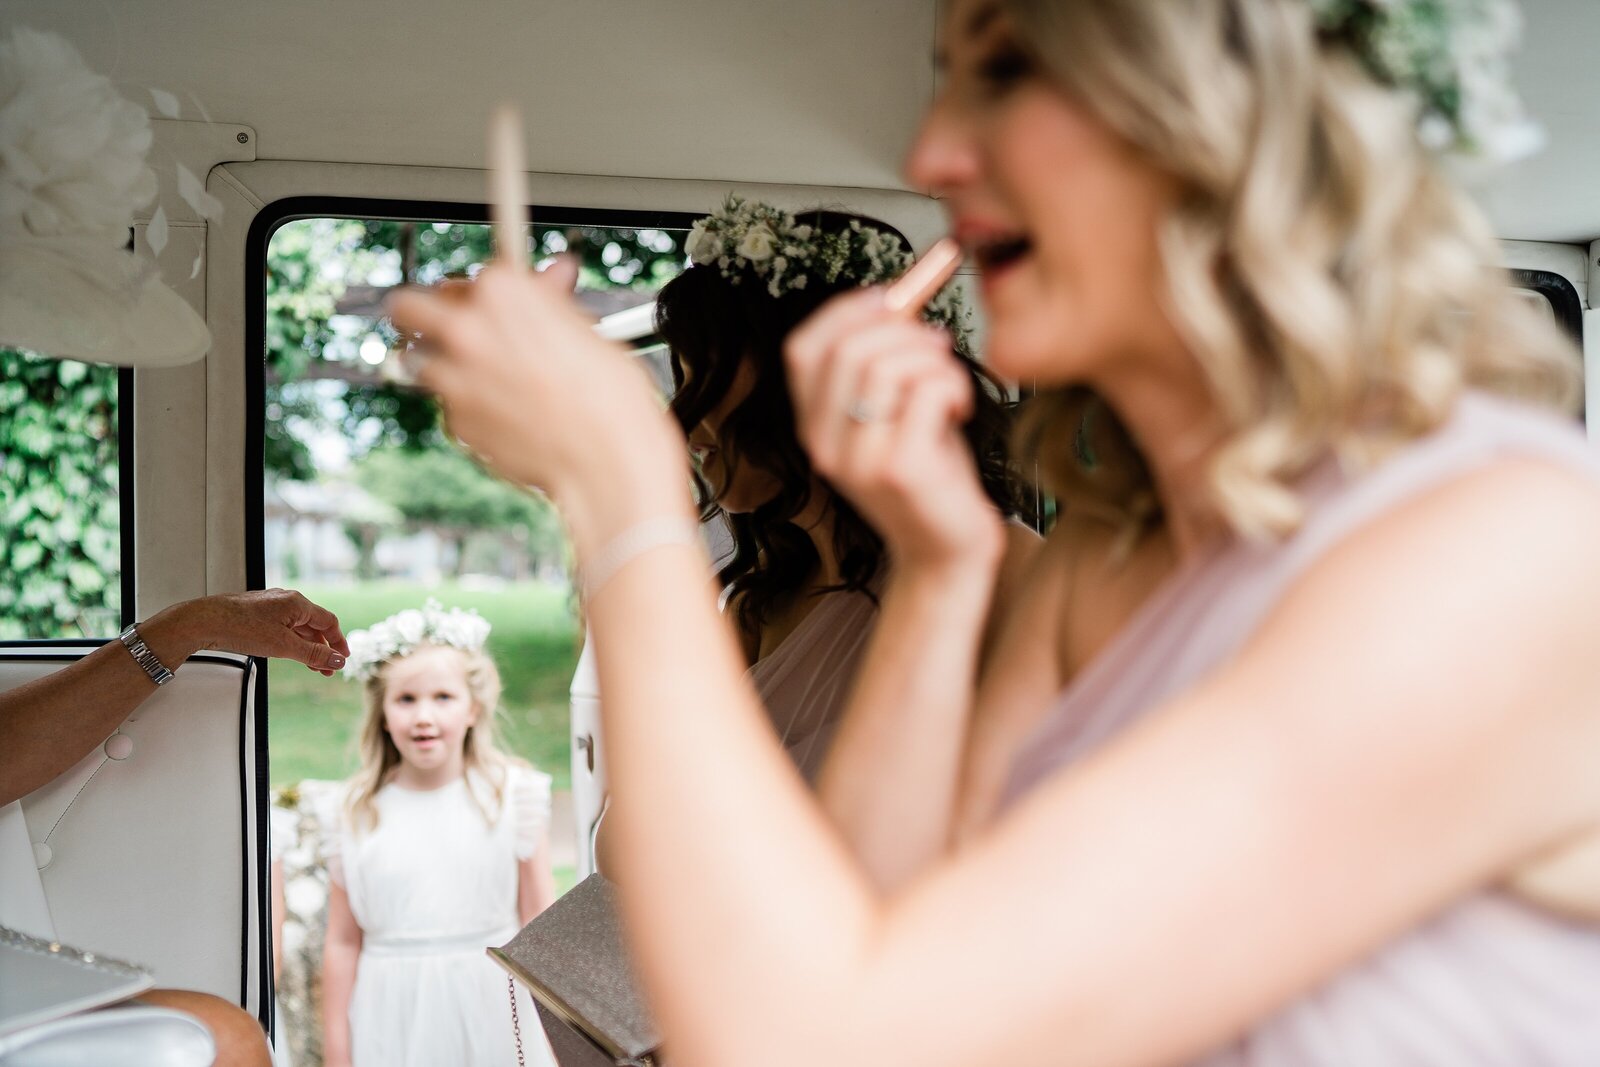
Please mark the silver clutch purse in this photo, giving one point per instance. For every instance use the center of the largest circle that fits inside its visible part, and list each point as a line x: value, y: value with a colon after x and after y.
x: 47, y: 993
x: 571, y: 959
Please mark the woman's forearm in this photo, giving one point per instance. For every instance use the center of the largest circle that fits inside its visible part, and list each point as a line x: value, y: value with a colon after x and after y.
x: 50, y: 723
x: 892, y: 775
x: 710, y: 820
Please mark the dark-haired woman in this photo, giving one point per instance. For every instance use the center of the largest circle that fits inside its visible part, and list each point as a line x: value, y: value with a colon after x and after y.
x: 806, y: 566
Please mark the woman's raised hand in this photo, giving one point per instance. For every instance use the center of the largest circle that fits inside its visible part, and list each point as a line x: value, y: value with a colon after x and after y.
x: 879, y: 405
x: 528, y: 387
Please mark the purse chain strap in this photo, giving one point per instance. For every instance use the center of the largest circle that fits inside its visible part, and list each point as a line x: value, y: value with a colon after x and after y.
x: 516, y: 1023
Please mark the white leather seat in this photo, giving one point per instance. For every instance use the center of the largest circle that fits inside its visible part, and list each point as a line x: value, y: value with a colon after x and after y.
x: 155, y: 857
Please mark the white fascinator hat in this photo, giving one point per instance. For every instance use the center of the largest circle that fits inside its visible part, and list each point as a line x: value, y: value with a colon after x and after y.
x: 72, y: 174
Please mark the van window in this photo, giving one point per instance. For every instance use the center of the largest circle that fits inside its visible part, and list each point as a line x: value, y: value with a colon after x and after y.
x: 61, y: 508
x: 367, y: 506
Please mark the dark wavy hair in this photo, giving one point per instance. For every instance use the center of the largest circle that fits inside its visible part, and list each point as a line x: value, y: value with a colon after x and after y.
x: 711, y: 325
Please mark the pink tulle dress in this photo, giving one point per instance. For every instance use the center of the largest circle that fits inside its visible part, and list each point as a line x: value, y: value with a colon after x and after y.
x: 805, y: 681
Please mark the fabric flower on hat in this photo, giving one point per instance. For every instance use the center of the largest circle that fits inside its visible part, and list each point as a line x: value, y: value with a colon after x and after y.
x: 73, y: 175
x: 72, y: 150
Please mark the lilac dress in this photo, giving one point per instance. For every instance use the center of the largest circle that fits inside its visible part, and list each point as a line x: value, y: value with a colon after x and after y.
x: 1490, y: 981
x: 805, y: 681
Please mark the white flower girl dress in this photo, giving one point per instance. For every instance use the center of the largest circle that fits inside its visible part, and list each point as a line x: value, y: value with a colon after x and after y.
x: 432, y: 886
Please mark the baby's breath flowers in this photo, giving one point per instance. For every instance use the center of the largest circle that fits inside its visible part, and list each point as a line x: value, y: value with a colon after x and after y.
x: 1454, y: 57
x: 404, y: 632
x: 748, y: 238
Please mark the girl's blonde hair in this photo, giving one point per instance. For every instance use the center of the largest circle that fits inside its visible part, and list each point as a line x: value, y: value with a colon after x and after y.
x: 1335, y: 286
x: 485, y: 765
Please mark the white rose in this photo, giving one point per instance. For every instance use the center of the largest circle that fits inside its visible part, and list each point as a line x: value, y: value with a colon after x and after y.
x: 411, y: 626
x: 702, y: 245
x: 473, y: 628
x: 759, y: 244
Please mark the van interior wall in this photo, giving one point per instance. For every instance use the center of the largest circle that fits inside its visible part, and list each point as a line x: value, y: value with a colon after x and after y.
x: 825, y: 92
x: 822, y: 93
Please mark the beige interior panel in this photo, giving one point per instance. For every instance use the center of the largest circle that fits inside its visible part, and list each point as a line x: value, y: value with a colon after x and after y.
x: 169, y: 456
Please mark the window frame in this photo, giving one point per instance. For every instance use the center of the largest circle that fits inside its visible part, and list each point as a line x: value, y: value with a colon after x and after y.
x: 279, y: 213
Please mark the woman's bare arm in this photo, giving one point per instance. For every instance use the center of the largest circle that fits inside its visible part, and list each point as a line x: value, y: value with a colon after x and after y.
x: 1232, y: 849
x: 892, y: 775
x: 1020, y: 680
x: 51, y: 723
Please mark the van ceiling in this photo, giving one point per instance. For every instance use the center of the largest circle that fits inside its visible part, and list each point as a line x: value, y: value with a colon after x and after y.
x: 822, y: 92
x: 810, y: 92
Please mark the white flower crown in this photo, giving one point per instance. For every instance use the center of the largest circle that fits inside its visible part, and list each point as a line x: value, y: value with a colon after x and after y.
x: 404, y: 632
x: 750, y: 238
x: 1454, y: 57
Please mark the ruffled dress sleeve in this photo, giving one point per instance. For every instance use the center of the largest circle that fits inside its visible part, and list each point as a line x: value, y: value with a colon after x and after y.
x: 284, y: 827
x: 330, y: 818
x: 530, y: 809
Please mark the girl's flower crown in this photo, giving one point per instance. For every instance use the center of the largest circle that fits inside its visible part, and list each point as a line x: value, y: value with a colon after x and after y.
x: 404, y: 632
x: 748, y: 238
x: 1453, y: 56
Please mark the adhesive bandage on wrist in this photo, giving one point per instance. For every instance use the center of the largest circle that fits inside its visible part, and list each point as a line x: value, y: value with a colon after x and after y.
x: 630, y: 544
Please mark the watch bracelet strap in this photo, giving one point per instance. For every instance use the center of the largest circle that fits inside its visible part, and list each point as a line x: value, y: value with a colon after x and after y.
x: 144, y: 657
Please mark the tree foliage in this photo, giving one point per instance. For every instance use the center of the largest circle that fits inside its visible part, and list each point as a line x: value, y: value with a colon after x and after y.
x: 443, y: 488
x: 60, y: 544
x: 313, y: 263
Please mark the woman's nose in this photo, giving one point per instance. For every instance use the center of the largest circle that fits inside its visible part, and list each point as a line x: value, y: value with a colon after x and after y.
x: 942, y: 157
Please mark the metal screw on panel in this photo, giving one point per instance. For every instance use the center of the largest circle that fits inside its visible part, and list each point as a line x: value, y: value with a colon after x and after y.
x: 244, y: 138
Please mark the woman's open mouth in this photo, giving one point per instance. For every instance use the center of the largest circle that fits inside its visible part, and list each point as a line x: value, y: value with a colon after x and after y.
x: 994, y: 255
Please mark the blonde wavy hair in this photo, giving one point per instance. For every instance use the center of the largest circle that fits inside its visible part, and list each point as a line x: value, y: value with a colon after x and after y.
x: 485, y: 765
x: 1335, y: 286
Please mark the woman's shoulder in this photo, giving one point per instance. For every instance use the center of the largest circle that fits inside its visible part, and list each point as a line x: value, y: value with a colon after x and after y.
x: 1475, y: 578
x: 1521, y: 465
x: 1481, y: 430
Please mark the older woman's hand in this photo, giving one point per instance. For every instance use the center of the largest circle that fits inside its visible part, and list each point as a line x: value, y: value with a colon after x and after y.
x: 879, y: 405
x: 279, y: 623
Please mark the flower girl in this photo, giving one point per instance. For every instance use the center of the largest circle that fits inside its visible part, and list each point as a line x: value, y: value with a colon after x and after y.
x: 440, y: 851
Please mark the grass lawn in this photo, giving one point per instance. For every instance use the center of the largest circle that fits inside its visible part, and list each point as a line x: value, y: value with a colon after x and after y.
x: 312, y: 720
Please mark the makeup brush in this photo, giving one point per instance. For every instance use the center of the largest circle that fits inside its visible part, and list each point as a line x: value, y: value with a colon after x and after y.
x: 508, y: 186
x: 913, y: 289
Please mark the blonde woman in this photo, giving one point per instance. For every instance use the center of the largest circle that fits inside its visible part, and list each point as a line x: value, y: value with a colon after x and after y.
x: 1286, y: 755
